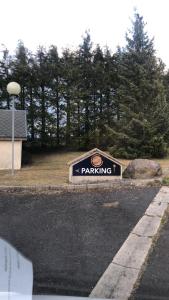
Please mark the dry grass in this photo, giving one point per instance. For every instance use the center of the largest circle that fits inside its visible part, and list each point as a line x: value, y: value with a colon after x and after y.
x: 45, y: 169
x: 51, y: 169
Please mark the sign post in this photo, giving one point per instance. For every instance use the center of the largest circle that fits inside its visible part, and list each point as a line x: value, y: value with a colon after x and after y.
x: 13, y: 88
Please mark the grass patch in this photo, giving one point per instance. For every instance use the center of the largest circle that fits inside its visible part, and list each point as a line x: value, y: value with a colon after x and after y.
x: 52, y: 169
x: 45, y: 169
x: 165, y: 181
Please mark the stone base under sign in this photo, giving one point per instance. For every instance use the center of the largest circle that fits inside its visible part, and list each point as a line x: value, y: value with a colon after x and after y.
x: 92, y: 179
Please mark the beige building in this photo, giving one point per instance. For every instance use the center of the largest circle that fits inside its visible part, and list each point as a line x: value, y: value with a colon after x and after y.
x: 6, y: 136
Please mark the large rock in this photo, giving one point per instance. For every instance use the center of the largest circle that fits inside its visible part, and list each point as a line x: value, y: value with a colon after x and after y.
x: 142, y: 168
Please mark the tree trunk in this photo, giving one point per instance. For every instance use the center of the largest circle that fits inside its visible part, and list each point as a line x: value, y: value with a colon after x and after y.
x: 8, y: 101
x: 32, y: 116
x: 23, y: 98
x: 108, y: 107
x: 43, y: 119
x: 87, y: 123
x: 68, y: 122
x: 78, y: 123
x: 58, y: 120
x: 57, y: 114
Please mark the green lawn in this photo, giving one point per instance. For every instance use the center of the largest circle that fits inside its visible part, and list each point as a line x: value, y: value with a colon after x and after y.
x: 52, y: 169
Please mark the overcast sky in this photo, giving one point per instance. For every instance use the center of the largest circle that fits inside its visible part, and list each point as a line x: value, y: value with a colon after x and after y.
x: 63, y: 22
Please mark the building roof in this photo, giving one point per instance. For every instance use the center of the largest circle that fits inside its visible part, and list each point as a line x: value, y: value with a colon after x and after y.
x: 91, y: 152
x: 6, y: 124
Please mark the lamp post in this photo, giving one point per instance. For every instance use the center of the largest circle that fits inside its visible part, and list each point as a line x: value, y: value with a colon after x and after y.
x: 13, y: 88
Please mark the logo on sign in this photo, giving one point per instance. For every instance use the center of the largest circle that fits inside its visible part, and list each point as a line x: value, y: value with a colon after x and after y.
x: 96, y: 161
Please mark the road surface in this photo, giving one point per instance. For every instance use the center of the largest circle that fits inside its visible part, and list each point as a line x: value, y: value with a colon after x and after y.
x: 71, y: 237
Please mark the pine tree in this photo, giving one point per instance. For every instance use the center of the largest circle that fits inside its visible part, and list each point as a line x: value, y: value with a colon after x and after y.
x: 69, y: 96
x: 32, y: 100
x: 5, y: 77
x: 102, y: 109
x: 55, y: 84
x: 41, y: 68
x: 20, y: 71
x: 142, y: 124
x: 85, y: 85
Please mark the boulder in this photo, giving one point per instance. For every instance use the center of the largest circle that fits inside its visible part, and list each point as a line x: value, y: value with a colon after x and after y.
x: 142, y: 169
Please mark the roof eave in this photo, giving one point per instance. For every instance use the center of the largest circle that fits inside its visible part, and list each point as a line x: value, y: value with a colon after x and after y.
x: 10, y: 138
x: 89, y: 153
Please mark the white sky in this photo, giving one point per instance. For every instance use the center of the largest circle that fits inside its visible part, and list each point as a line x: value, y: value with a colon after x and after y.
x: 63, y: 22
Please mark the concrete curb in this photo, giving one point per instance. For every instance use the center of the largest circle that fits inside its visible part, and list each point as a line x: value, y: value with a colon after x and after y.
x: 81, y: 187
x: 119, y: 279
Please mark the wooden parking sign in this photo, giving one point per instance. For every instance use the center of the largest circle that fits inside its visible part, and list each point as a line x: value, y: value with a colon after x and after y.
x: 94, y: 166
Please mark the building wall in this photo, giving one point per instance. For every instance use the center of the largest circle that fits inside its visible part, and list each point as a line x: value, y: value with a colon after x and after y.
x: 6, y: 155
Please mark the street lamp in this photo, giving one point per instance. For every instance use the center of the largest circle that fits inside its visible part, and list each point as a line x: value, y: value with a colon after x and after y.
x: 13, y: 88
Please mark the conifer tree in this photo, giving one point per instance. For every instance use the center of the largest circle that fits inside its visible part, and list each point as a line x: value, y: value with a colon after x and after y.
x: 5, y: 77
x: 142, y: 126
x: 41, y: 68
x: 55, y: 93
x: 20, y: 71
x: 85, y: 84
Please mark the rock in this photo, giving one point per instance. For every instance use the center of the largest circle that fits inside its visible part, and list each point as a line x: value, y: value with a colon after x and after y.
x: 142, y: 169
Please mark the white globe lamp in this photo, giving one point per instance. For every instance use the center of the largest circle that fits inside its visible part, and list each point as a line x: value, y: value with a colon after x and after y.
x: 13, y: 88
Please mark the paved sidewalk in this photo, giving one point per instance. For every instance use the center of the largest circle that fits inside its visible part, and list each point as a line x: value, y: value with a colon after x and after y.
x: 123, y: 273
x: 154, y: 284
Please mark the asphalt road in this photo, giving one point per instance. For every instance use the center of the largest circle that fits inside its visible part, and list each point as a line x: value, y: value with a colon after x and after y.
x: 71, y: 237
x: 154, y: 284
